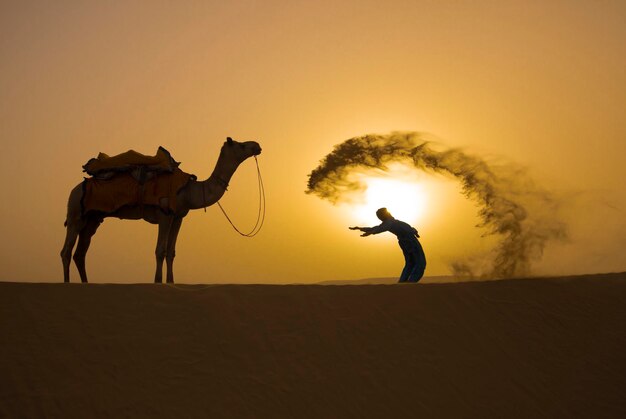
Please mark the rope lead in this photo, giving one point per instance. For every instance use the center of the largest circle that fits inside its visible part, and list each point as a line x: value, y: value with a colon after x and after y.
x: 260, y: 219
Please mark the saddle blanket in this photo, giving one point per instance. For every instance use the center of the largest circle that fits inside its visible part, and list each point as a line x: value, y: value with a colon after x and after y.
x: 109, y: 195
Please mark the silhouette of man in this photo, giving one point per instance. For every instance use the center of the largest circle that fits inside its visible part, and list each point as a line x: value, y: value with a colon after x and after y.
x: 415, y: 260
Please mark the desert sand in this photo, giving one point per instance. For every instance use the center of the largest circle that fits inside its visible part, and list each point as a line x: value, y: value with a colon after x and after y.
x: 551, y: 347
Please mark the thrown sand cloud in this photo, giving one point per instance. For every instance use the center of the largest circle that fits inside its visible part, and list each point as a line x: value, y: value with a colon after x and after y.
x: 512, y: 207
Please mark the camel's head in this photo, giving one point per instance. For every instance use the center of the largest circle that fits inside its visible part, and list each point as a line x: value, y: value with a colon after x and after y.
x: 241, y: 150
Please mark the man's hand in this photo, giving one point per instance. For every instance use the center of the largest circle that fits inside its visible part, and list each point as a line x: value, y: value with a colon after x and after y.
x: 363, y: 229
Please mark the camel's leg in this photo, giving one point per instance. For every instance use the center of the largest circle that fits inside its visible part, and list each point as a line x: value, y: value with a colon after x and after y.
x: 171, y: 247
x: 165, y: 224
x: 84, y: 240
x: 74, y: 222
x: 66, y: 253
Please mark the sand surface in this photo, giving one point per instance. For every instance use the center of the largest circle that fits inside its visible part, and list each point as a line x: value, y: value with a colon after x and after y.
x: 520, y: 348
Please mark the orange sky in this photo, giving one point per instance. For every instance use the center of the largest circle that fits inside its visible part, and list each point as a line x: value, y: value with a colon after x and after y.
x: 538, y: 83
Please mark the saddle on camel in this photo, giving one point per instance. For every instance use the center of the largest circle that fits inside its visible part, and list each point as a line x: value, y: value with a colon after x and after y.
x: 132, y: 178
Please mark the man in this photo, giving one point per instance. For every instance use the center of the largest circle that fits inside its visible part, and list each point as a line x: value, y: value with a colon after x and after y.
x: 415, y: 260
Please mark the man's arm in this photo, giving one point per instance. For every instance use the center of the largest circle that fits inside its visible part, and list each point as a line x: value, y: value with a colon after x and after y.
x: 370, y: 230
x: 365, y: 230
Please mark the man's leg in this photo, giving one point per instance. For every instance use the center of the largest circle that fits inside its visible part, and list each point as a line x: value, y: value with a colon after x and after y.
x: 420, y: 265
x: 416, y: 274
x: 409, y: 266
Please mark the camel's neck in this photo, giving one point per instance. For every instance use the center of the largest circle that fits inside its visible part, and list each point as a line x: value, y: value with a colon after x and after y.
x: 207, y: 192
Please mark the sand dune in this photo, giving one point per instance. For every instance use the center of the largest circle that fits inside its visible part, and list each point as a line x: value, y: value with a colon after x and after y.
x: 519, y: 348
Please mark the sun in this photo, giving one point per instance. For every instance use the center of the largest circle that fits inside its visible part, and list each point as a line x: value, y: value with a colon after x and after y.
x: 405, y: 200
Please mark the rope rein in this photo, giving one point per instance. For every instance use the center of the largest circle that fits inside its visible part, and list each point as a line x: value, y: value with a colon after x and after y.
x: 260, y: 218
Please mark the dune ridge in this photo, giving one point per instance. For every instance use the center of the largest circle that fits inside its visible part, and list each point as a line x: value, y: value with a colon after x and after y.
x: 550, y: 347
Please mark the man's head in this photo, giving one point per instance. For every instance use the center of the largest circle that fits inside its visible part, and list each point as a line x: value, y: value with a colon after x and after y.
x: 383, y: 214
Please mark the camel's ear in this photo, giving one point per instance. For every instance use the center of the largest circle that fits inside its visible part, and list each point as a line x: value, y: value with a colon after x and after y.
x: 229, y: 140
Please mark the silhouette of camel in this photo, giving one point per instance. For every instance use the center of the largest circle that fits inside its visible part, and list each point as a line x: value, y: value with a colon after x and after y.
x: 194, y: 195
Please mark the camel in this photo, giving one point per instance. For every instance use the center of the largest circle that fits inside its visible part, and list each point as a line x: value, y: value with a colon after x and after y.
x: 194, y: 195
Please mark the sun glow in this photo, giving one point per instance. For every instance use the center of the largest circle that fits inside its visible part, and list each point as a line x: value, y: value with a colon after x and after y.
x: 404, y: 200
